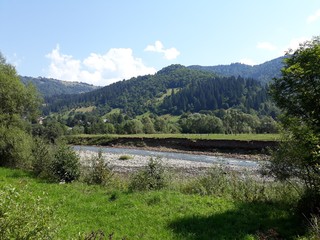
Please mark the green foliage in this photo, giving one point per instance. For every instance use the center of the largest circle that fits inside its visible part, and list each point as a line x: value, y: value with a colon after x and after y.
x: 236, y: 122
x: 298, y: 157
x: 15, y: 145
x: 162, y: 214
x: 43, y: 154
x: 65, y: 165
x: 263, y: 72
x: 151, y: 177
x: 189, y: 90
x: 99, y: 172
x: 19, y: 106
x: 133, y: 126
x: 200, y: 123
x: 213, y: 93
x: 243, y: 187
x: 14, y: 97
x: 125, y: 157
x: 52, y: 87
x: 298, y: 90
x: 25, y: 217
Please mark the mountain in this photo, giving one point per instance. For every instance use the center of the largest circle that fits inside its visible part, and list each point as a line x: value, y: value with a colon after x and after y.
x: 134, y: 96
x: 49, y: 87
x: 264, y: 72
x: 175, y: 89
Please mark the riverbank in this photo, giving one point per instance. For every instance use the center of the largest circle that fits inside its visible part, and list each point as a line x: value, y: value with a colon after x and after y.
x: 243, y: 149
x: 183, y: 163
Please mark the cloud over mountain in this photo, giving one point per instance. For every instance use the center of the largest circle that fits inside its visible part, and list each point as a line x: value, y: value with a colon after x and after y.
x: 98, y: 69
x: 158, y: 47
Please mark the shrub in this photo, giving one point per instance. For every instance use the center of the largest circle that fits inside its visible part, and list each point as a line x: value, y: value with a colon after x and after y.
x: 125, y: 157
x: 215, y: 182
x: 151, y: 177
x: 15, y: 147
x: 99, y: 172
x: 65, y: 165
x: 42, y: 158
x: 240, y: 187
x: 25, y: 217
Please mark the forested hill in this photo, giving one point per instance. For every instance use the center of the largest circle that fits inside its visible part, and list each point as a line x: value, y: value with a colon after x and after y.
x: 49, y: 87
x: 175, y: 89
x: 134, y: 96
x: 264, y: 72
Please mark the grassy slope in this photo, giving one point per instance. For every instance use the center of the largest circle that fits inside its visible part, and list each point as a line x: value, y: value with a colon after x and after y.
x: 166, y: 214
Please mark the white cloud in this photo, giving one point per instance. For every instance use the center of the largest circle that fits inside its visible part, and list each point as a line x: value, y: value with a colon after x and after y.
x: 294, y: 44
x: 117, y: 64
x: 314, y: 17
x: 267, y: 46
x: 169, y: 53
x: 247, y: 61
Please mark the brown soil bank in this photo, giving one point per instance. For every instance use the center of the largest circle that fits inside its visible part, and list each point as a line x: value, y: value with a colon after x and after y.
x: 182, y: 144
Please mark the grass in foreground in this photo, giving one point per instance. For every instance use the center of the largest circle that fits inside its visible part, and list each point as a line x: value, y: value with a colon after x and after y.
x: 80, y: 209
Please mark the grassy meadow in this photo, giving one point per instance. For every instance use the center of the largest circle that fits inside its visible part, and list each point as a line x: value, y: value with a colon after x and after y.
x: 207, y: 208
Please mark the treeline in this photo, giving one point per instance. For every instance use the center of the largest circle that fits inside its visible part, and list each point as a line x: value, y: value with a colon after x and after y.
x: 230, y: 121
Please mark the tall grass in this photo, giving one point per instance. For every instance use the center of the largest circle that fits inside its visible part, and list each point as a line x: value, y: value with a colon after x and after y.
x: 218, y: 205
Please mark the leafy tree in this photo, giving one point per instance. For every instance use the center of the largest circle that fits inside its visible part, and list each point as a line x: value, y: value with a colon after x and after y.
x: 19, y: 106
x: 200, y: 123
x: 148, y: 126
x: 133, y: 126
x: 297, y: 92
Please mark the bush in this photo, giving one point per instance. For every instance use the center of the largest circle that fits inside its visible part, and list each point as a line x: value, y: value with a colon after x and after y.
x: 24, y: 217
x: 240, y: 187
x: 125, y: 157
x: 65, y: 165
x: 15, y: 147
x: 42, y: 158
x: 151, y: 177
x: 99, y: 172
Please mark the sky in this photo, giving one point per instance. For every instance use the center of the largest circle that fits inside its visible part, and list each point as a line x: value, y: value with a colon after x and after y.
x: 104, y: 41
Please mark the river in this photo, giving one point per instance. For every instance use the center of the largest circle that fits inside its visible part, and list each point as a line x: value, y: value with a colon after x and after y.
x: 172, y: 155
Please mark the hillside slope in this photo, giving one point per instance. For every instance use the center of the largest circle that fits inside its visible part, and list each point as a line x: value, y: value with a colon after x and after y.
x: 49, y: 87
x: 264, y: 72
x: 175, y: 89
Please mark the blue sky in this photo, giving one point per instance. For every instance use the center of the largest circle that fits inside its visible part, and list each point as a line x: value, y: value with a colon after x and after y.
x: 103, y: 41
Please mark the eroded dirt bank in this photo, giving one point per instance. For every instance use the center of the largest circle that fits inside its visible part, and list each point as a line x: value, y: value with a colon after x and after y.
x: 180, y: 144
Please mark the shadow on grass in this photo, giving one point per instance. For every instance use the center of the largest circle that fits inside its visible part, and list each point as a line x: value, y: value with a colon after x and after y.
x: 262, y: 220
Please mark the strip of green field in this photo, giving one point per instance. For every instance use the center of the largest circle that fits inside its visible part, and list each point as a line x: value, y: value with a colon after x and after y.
x: 241, y: 137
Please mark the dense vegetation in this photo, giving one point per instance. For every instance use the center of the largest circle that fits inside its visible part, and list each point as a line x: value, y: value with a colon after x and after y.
x: 171, y: 101
x: 217, y: 93
x: 264, y: 72
x: 297, y: 92
x: 49, y: 87
x: 174, y: 89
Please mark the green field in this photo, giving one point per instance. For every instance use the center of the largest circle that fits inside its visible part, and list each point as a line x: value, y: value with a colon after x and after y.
x: 80, y: 210
x: 241, y: 137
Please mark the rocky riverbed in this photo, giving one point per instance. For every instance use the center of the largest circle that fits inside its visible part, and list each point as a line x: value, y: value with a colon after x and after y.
x: 132, y: 163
